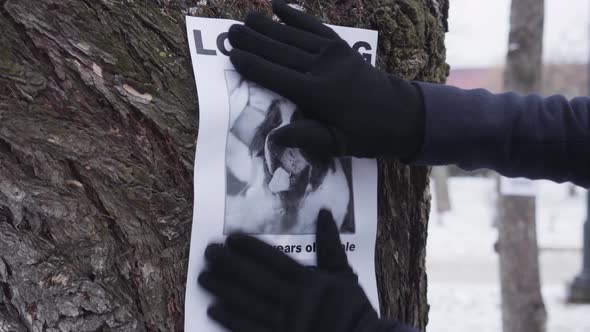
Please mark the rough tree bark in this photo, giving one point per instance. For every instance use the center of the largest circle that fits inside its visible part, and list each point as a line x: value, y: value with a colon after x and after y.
x: 98, y: 116
x: 522, y: 302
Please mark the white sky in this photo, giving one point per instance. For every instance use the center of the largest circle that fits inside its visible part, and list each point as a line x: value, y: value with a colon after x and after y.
x: 478, y: 32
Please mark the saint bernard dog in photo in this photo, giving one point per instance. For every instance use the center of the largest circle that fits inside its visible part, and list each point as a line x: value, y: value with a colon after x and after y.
x: 271, y: 189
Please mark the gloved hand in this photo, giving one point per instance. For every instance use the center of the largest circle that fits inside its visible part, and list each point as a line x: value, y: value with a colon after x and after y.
x: 351, y: 107
x: 260, y: 289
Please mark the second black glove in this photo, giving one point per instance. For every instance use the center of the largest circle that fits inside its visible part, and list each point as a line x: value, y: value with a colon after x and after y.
x: 260, y: 289
x: 351, y: 107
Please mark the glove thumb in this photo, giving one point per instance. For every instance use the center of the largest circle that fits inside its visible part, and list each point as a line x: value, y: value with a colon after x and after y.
x: 310, y: 136
x: 330, y: 254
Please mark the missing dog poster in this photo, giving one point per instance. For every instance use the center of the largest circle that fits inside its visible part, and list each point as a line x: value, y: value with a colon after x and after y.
x: 245, y: 183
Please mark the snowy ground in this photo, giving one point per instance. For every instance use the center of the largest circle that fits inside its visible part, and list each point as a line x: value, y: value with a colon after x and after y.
x: 463, y: 286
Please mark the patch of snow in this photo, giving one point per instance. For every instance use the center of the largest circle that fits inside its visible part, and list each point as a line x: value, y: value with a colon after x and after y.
x: 462, y: 266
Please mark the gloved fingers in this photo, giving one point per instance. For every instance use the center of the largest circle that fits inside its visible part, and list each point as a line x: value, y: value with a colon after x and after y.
x: 266, y: 255
x: 234, y: 320
x: 244, y: 271
x: 253, y: 306
x: 310, y: 136
x: 284, y: 81
x: 330, y: 254
x: 285, y: 34
x: 301, y: 20
x: 249, y: 40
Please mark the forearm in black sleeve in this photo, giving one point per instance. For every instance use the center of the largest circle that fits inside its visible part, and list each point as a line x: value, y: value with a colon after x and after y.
x: 517, y: 136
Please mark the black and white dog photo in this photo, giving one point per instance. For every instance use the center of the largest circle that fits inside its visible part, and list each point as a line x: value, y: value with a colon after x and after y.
x: 272, y: 189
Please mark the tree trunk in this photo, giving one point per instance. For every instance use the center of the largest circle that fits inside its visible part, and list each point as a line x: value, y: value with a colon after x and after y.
x: 440, y: 175
x: 572, y: 190
x: 522, y: 302
x: 97, y: 135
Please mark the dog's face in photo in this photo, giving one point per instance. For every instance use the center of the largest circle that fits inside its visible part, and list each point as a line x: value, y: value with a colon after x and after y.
x: 290, y: 173
x: 271, y: 189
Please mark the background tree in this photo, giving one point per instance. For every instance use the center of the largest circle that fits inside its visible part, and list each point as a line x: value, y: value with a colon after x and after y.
x: 440, y: 177
x: 98, y: 118
x: 522, y: 303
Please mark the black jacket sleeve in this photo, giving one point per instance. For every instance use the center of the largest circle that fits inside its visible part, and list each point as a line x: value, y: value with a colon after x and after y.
x: 517, y: 136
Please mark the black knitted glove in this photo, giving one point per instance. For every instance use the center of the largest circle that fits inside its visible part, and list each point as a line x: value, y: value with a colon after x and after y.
x: 260, y: 289
x: 351, y: 108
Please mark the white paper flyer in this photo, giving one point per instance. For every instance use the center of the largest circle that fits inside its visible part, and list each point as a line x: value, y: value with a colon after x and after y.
x: 245, y: 183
